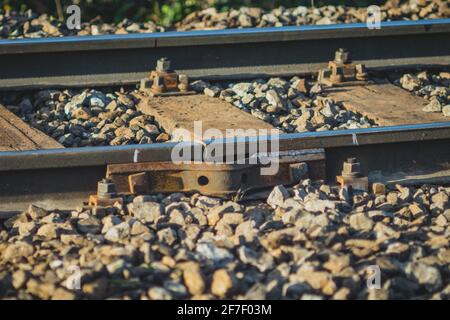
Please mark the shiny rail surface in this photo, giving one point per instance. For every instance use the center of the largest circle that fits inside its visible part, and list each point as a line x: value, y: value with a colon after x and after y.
x: 219, y: 54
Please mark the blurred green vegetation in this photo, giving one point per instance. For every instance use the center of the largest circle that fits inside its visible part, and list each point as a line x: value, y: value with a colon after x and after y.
x: 163, y: 12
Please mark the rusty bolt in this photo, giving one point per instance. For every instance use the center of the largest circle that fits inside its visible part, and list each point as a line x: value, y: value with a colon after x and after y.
x: 183, y: 82
x: 163, y: 65
x: 361, y: 73
x: 183, y: 78
x: 336, y: 75
x: 106, y: 189
x: 341, y: 56
x: 351, y: 168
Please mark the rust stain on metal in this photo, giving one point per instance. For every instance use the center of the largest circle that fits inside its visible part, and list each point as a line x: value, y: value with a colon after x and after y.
x: 351, y: 176
x: 341, y: 69
x: 164, y: 81
x: 212, y: 178
x: 106, y: 194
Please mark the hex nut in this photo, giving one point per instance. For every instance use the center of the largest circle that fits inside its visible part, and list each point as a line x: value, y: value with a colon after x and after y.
x: 163, y: 65
x: 351, y: 169
x: 183, y: 82
x: 361, y: 73
x: 378, y: 188
x: 106, y: 189
x: 182, y: 78
x: 341, y: 56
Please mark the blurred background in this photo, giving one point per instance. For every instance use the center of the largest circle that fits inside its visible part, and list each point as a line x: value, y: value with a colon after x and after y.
x: 163, y: 12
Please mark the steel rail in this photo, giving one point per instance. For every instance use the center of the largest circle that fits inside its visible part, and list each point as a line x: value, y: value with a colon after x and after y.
x: 219, y: 54
x: 101, y: 156
x: 64, y: 178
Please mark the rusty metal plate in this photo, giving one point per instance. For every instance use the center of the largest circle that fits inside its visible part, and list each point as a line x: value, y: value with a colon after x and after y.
x: 212, y: 178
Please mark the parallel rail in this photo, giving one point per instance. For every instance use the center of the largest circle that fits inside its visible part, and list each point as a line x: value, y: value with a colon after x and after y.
x: 64, y: 178
x: 220, y: 54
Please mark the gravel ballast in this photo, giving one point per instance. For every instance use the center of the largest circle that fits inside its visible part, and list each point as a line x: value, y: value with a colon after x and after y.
x: 87, y: 118
x: 30, y: 25
x: 311, y: 241
x: 97, y: 117
x: 255, y: 17
x: 292, y: 105
x: 434, y: 87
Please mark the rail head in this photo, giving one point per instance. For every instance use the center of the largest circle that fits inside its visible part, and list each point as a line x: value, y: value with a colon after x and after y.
x: 102, y: 156
x: 229, y: 54
x: 220, y: 37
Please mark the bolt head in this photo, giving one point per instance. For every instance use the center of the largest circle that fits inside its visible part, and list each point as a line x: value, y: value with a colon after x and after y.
x: 351, y: 169
x: 163, y: 65
x: 106, y: 188
x: 182, y: 78
x: 360, y: 68
x: 341, y: 56
x: 361, y: 73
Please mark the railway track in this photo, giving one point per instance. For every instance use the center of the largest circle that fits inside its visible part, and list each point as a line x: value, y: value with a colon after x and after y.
x: 393, y: 170
x: 216, y: 54
x: 51, y: 178
x: 221, y: 54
